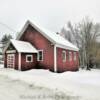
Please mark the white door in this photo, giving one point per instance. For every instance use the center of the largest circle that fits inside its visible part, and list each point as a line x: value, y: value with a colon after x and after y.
x: 10, y: 60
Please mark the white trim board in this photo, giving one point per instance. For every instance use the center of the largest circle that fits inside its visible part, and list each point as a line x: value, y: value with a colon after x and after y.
x: 11, y: 51
x: 55, y: 58
x: 19, y: 61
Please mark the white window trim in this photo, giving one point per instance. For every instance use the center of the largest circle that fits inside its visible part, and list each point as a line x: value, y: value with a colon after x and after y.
x: 64, y: 52
x: 38, y: 55
x: 70, y: 55
x: 75, y: 56
x: 29, y: 56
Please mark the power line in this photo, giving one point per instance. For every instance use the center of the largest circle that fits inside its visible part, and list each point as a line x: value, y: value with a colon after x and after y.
x: 11, y: 29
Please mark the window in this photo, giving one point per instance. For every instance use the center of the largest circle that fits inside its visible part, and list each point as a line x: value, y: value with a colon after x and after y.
x: 69, y: 56
x: 40, y: 55
x: 29, y: 58
x: 64, y: 56
x: 74, y: 56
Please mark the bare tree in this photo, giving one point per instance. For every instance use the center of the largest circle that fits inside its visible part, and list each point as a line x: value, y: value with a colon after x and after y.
x: 85, y: 36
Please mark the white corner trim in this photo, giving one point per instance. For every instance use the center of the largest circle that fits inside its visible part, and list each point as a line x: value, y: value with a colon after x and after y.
x: 19, y: 61
x: 55, y: 58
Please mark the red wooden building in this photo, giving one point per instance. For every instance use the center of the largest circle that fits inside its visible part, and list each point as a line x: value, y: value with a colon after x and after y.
x: 36, y: 47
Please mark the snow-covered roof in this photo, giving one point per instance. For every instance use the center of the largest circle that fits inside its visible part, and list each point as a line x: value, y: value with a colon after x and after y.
x: 22, y: 46
x: 56, y: 39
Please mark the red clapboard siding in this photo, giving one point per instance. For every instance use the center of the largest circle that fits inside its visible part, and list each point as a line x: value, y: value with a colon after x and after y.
x: 68, y: 65
x: 41, y: 43
x: 28, y: 65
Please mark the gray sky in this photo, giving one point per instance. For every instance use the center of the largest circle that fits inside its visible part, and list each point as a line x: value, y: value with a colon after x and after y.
x: 51, y: 14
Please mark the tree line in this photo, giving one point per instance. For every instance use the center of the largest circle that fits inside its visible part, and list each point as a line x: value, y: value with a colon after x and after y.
x: 86, y: 35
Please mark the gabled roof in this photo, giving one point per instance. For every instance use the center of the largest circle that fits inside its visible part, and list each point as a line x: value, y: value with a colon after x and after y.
x: 23, y: 47
x: 56, y: 39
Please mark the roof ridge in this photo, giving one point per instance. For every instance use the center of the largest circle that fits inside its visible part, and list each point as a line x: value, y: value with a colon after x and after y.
x: 51, y: 36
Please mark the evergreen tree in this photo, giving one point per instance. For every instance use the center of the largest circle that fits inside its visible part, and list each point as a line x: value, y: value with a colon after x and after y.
x: 6, y: 38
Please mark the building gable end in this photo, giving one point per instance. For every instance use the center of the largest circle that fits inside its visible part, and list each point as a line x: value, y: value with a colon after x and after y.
x: 37, y: 29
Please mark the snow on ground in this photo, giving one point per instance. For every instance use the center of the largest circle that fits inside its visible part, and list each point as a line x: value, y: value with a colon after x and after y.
x: 18, y: 90
x: 81, y: 85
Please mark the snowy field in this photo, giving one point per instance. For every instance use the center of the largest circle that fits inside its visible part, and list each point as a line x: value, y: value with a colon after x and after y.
x: 36, y: 84
x: 18, y: 90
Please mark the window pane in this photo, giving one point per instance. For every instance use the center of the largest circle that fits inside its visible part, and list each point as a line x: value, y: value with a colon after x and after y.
x: 40, y: 55
x: 64, y: 56
x: 74, y: 55
x: 69, y: 56
x: 29, y: 58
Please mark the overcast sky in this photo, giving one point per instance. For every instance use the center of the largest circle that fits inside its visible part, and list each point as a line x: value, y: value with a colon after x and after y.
x: 51, y: 14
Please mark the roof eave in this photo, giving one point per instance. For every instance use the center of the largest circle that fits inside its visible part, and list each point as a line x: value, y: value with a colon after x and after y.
x: 66, y: 47
x: 27, y: 52
x: 8, y: 46
x: 33, y: 25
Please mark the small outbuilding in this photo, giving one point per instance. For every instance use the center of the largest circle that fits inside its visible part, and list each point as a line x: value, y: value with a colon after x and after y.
x: 19, y: 55
x: 36, y: 47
